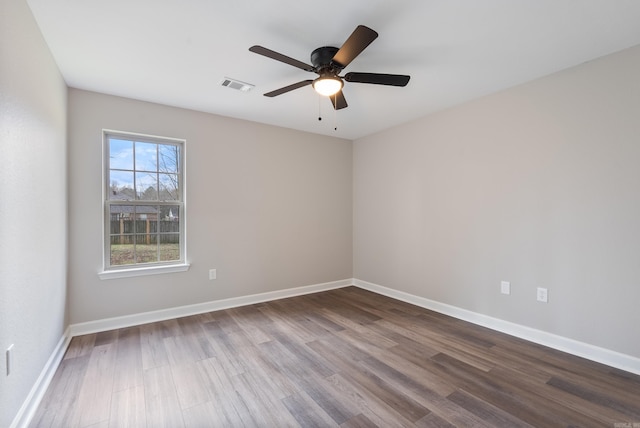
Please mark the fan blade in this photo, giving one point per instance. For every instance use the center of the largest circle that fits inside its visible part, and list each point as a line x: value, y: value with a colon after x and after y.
x: 288, y: 88
x: 338, y: 100
x: 280, y: 57
x: 357, y: 42
x: 378, y: 79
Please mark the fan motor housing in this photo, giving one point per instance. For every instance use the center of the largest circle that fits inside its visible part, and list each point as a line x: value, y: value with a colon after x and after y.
x: 322, y: 57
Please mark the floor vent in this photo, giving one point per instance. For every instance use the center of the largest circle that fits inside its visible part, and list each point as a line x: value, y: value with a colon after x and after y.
x: 236, y: 84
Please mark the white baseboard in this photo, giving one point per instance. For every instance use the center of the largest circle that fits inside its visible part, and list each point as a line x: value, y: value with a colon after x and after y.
x: 574, y: 347
x: 199, y: 308
x: 30, y: 405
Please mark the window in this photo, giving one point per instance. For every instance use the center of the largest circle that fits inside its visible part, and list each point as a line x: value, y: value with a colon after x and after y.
x: 144, y: 204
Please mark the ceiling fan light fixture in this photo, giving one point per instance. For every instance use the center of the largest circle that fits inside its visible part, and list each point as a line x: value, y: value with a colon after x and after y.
x: 328, y: 85
x: 328, y: 62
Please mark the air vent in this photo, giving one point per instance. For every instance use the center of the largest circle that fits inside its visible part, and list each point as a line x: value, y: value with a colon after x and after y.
x: 236, y: 84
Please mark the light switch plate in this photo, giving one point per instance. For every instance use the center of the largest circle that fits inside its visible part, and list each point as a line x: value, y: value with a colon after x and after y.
x: 9, y: 359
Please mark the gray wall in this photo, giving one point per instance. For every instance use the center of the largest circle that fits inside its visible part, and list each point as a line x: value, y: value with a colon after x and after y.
x: 538, y: 185
x: 33, y: 201
x: 269, y: 208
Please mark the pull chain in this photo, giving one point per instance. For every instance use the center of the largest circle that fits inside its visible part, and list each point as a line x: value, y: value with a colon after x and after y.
x: 334, y: 102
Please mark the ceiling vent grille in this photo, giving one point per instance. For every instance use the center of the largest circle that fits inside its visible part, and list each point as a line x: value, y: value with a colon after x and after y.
x: 236, y: 84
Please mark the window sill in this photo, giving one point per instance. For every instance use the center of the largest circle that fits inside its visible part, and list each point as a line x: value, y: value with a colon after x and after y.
x: 142, y: 271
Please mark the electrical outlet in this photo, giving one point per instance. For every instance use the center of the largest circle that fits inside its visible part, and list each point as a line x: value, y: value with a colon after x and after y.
x: 212, y: 274
x: 505, y: 287
x: 9, y: 359
x: 543, y: 295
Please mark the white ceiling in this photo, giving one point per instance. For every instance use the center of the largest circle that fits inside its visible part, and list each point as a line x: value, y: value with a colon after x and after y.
x: 176, y: 52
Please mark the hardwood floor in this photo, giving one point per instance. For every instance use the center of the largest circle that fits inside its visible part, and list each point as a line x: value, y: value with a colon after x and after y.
x: 345, y: 357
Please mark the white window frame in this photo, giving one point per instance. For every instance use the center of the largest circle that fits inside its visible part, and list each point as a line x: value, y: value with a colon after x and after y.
x: 123, y: 271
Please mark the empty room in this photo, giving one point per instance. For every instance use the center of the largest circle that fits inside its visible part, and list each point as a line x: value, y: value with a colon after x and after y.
x: 296, y: 214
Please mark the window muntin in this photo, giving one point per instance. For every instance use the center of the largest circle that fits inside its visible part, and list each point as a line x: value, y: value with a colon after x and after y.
x: 144, y: 203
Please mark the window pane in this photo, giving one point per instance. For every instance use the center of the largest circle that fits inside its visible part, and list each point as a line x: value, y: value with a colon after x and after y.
x: 169, y: 218
x: 168, y: 158
x: 121, y: 249
x: 169, y: 187
x: 146, y: 249
x: 119, y: 215
x: 121, y: 186
x: 169, y: 247
x: 121, y: 239
x: 147, y: 186
x: 122, y: 255
x: 146, y: 219
x: 146, y: 157
x: 169, y: 233
x: 120, y: 154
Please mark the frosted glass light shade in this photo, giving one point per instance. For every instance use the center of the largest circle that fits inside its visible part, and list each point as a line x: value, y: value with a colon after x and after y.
x: 327, y: 85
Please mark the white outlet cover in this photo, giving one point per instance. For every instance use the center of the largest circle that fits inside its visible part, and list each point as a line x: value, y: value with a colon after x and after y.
x: 212, y: 274
x: 543, y: 295
x: 505, y: 287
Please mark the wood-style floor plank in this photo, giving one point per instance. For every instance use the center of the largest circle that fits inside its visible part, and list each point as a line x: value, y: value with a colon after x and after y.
x: 306, y: 411
x: 128, y: 372
x: 342, y: 358
x: 368, y: 404
x: 94, y: 397
x: 161, y: 399
x: 54, y: 409
x: 229, y: 411
x: 152, y: 349
x: 128, y: 408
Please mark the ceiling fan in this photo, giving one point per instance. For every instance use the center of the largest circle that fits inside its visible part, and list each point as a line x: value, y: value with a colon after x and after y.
x: 328, y: 62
